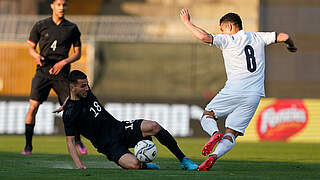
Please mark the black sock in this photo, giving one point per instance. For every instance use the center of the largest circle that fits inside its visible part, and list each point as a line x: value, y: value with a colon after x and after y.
x: 29, y: 134
x: 77, y: 138
x: 167, y: 140
x: 144, y: 166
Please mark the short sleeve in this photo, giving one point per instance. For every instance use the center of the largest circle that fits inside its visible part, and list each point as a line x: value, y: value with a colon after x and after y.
x: 76, y: 41
x: 268, y: 37
x: 34, y: 36
x: 220, y: 41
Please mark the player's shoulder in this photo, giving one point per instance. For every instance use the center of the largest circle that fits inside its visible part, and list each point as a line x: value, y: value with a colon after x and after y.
x: 251, y: 35
x: 67, y: 22
x: 70, y: 108
x: 222, y: 37
x: 234, y: 38
x: 261, y: 33
x: 91, y: 95
x: 44, y: 21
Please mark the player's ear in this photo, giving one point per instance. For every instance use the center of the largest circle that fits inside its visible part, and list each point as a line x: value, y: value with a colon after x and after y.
x: 230, y: 26
x: 51, y: 5
x: 71, y: 86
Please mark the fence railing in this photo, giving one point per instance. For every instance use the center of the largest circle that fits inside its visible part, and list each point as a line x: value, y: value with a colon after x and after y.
x: 112, y: 28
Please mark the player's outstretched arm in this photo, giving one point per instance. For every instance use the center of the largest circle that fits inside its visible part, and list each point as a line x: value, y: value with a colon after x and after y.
x: 285, y: 38
x: 73, y: 152
x: 61, y: 107
x: 199, y: 33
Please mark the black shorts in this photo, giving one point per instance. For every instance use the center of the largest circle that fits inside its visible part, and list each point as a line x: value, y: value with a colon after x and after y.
x: 42, y: 83
x: 132, y: 134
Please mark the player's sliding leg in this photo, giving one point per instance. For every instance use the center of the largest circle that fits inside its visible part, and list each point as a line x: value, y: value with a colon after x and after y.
x: 152, y: 128
x: 29, y: 126
x: 209, y: 125
x: 166, y: 139
x: 149, y: 166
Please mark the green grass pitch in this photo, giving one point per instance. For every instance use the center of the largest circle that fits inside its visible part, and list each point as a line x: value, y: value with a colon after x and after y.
x: 50, y: 160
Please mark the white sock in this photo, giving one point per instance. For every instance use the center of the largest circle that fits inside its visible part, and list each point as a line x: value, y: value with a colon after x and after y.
x: 209, y: 124
x: 224, y: 146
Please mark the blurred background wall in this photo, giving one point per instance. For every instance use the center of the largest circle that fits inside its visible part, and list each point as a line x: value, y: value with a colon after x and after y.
x: 141, y: 50
x: 293, y: 75
x: 149, y: 33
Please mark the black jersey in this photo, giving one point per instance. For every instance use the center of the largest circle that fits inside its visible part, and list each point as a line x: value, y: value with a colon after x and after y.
x: 89, y: 118
x: 55, y: 40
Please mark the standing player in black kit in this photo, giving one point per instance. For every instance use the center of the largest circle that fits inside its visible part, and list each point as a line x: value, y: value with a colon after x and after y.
x: 84, y: 114
x: 55, y: 35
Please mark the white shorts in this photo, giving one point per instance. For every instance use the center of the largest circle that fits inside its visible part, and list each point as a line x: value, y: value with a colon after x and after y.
x: 238, y: 109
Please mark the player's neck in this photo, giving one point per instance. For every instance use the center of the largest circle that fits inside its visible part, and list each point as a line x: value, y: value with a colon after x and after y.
x: 236, y: 31
x: 74, y: 97
x: 57, y: 20
x: 233, y: 31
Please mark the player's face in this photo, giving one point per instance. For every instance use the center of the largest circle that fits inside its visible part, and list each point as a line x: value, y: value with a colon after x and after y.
x: 58, y: 8
x: 81, y: 89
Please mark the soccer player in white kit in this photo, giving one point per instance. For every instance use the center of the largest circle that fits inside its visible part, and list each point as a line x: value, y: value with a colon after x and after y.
x: 244, y: 59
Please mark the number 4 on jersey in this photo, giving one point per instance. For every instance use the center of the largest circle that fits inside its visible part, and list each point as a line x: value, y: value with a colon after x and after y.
x: 54, y: 45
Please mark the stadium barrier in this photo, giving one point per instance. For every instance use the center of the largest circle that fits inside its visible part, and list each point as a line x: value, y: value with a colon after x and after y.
x: 117, y: 28
x: 283, y: 120
x: 174, y: 117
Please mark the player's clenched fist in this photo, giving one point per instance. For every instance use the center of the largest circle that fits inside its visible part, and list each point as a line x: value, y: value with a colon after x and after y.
x: 39, y: 59
x: 292, y: 48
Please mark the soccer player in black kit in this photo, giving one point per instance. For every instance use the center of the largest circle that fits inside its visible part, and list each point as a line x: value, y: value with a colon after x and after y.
x: 84, y: 114
x: 55, y: 35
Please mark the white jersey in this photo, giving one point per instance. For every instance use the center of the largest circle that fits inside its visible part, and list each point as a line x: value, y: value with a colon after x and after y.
x: 244, y: 61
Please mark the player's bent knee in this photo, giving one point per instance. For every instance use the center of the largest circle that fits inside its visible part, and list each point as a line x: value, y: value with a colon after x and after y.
x: 155, y: 127
x: 33, y: 107
x: 150, y: 128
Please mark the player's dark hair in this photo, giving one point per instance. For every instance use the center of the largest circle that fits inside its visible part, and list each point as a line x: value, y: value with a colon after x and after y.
x: 233, y: 18
x: 75, y: 75
x: 52, y: 1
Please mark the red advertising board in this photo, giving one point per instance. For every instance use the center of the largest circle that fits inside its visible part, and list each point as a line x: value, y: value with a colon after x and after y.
x: 281, y: 120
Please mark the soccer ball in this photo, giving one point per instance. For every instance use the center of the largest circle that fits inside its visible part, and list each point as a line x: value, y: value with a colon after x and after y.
x: 145, y: 151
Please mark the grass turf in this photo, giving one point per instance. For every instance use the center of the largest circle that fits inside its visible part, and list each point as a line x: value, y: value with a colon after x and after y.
x: 245, y: 161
